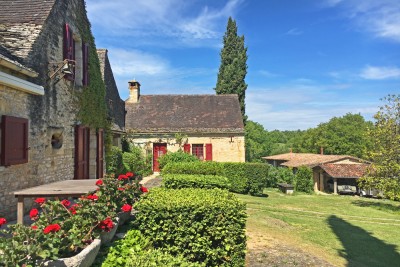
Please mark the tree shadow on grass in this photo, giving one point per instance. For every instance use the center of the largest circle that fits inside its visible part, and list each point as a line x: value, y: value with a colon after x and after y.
x: 377, y: 205
x: 361, y: 248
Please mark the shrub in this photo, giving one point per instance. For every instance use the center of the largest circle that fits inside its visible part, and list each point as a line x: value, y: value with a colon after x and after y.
x: 280, y: 175
x: 177, y: 181
x: 243, y: 177
x: 118, y: 255
x: 196, y: 167
x: 304, y: 180
x: 135, y: 161
x: 151, y: 258
x: 114, y: 163
x: 203, y: 225
x: 174, y: 157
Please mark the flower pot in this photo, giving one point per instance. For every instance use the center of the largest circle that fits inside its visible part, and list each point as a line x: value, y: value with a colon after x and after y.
x: 106, y: 237
x: 84, y: 259
x: 124, y: 217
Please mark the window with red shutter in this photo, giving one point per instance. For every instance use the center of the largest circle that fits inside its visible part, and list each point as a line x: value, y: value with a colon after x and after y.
x: 197, y: 150
x: 14, y: 140
x: 186, y: 148
x: 69, y: 49
x: 208, y: 151
x: 85, y: 64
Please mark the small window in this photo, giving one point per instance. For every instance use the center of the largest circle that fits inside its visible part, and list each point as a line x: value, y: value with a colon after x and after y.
x: 69, y: 50
x: 197, y: 150
x: 14, y: 140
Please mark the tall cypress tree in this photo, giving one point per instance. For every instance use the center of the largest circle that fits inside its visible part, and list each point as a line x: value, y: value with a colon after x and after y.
x: 233, y: 68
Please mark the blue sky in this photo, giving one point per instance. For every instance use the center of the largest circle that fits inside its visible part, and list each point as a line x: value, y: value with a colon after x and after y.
x: 309, y: 60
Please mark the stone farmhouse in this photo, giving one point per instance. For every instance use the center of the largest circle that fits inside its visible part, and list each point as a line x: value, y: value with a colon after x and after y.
x: 327, y: 169
x: 211, y: 125
x: 52, y: 93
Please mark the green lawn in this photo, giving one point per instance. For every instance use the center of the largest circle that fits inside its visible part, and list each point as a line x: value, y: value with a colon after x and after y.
x: 343, y: 230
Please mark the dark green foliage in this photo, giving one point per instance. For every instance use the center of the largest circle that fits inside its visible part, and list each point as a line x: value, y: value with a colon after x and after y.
x: 177, y: 181
x: 203, y: 225
x: 243, y: 177
x: 279, y: 175
x: 135, y: 161
x: 173, y: 157
x: 304, y: 179
x: 196, y: 167
x: 233, y: 68
x: 256, y: 141
x: 345, y: 135
x: 114, y: 163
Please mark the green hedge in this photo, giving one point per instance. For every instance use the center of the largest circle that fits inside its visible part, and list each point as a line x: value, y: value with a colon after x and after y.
x: 173, y: 157
x: 155, y: 258
x: 304, y: 179
x: 244, y: 177
x: 203, y: 225
x: 177, y: 181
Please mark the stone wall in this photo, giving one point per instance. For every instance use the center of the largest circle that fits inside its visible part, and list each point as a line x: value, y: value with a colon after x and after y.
x: 224, y: 148
x: 53, y: 114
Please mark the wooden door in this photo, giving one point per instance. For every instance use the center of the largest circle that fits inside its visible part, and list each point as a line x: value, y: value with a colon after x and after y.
x: 100, y: 154
x: 159, y: 149
x: 82, y: 139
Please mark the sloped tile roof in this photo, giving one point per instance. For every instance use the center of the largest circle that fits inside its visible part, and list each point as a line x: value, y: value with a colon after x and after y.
x: 185, y: 113
x: 345, y: 170
x: 308, y: 159
x: 7, y: 56
x: 25, y: 11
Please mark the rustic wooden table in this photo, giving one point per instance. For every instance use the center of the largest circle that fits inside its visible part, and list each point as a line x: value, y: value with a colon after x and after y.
x: 61, y: 189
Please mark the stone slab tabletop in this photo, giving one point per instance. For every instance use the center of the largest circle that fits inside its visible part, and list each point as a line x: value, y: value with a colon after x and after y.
x: 61, y: 188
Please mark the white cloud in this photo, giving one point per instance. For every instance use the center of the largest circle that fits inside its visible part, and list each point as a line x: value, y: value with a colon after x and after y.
x: 294, y: 32
x: 380, y: 73
x: 267, y: 73
x: 381, y: 18
x: 172, y: 20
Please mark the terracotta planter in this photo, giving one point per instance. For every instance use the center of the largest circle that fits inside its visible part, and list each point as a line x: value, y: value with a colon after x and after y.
x: 84, y: 259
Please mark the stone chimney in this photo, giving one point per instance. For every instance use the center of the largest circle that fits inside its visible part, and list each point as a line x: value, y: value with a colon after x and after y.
x: 134, y: 91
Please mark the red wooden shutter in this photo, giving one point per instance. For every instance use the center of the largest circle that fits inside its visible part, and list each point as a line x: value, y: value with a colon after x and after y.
x: 100, y: 154
x: 208, y: 151
x: 69, y: 49
x: 14, y: 140
x: 85, y: 64
x: 186, y: 148
x: 82, y: 140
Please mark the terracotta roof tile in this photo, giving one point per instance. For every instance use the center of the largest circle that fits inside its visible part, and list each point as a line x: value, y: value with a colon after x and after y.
x: 308, y: 159
x: 345, y: 170
x: 185, y: 113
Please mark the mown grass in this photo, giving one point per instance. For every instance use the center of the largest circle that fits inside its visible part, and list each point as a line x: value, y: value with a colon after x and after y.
x: 343, y: 230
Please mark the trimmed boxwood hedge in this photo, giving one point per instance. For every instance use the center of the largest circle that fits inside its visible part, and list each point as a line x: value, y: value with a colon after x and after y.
x: 244, y: 177
x: 177, y: 181
x: 203, y: 225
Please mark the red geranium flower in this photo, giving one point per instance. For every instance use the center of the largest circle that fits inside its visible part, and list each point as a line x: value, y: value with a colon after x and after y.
x: 73, y: 208
x: 121, y: 188
x: 129, y: 174
x: 33, y: 213
x: 34, y: 227
x: 92, y: 197
x: 144, y: 189
x: 40, y: 200
x: 122, y: 177
x: 3, y: 221
x: 65, y: 202
x: 99, y: 182
x: 106, y: 225
x: 52, y: 228
x: 126, y: 208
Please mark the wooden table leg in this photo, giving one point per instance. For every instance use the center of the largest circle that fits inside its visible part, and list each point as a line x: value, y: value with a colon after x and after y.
x: 20, y: 210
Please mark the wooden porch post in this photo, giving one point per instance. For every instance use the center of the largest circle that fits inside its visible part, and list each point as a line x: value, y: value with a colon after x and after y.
x: 20, y: 210
x: 335, y: 186
x: 321, y: 181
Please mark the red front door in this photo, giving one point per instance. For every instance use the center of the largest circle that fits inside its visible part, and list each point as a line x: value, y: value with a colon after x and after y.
x: 159, y: 149
x: 82, y: 139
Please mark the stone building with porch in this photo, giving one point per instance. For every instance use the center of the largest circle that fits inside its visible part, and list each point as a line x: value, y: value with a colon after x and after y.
x: 50, y: 84
x: 327, y: 169
x: 207, y: 126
